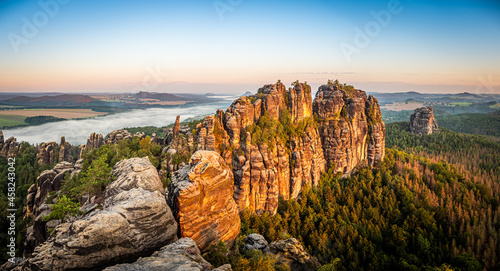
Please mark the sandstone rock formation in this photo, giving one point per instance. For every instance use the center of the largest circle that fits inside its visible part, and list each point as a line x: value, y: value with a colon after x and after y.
x: 180, y: 146
x: 134, y: 221
x: 422, y: 121
x: 256, y: 241
x: 47, y: 182
x: 47, y: 153
x: 291, y: 253
x: 264, y: 171
x: 179, y: 256
x: 117, y: 135
x: 94, y: 141
x: 65, y: 151
x: 348, y: 132
x: 201, y: 198
x: 286, y: 252
x: 9, y: 147
x: 350, y: 127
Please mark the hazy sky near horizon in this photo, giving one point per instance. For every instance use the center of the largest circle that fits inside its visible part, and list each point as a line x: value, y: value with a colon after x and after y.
x: 239, y: 45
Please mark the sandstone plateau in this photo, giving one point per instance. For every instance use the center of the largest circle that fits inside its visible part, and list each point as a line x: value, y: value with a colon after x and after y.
x: 422, y: 121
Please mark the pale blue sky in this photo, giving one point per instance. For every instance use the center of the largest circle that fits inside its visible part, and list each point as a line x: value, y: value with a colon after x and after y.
x: 183, y: 46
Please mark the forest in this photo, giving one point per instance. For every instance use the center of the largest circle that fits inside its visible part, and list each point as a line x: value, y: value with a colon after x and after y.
x: 432, y: 204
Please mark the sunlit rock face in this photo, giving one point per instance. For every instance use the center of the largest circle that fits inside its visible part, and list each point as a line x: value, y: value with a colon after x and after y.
x: 201, y: 197
x: 340, y: 129
x: 350, y: 127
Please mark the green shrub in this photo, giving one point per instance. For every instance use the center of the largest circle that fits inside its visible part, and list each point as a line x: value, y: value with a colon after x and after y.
x: 62, y: 208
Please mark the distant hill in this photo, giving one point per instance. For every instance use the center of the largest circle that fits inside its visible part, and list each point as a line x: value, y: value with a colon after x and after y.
x: 472, y: 123
x: 64, y: 100
x: 464, y: 97
x: 164, y: 97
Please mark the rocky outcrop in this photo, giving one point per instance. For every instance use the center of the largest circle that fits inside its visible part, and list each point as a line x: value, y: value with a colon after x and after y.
x: 117, y: 135
x: 65, y: 151
x: 36, y: 206
x: 180, y: 147
x: 94, y: 141
x: 134, y: 221
x: 256, y: 241
x: 350, y: 127
x: 179, y: 256
x: 201, y: 198
x: 286, y: 252
x: 264, y: 171
x: 422, y: 121
x: 47, y: 153
x: 291, y: 253
x: 9, y: 147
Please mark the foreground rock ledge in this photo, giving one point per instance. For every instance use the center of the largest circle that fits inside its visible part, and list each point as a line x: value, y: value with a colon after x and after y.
x: 201, y: 197
x: 135, y: 221
x: 181, y: 255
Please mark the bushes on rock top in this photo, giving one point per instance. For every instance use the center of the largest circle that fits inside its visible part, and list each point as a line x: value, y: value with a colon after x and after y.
x: 98, y: 164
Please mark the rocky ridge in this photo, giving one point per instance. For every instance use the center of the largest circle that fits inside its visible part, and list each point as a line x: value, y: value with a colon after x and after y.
x: 278, y: 141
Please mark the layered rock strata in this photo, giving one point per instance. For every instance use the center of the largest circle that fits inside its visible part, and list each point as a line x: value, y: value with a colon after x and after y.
x: 350, y: 127
x: 201, y: 198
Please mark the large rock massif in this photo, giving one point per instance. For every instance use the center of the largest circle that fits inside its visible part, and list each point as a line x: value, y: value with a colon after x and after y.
x: 201, y: 197
x: 422, y: 121
x: 278, y: 141
x: 134, y: 221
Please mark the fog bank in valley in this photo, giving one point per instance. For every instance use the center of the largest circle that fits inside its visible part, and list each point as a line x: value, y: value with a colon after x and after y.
x: 77, y: 131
